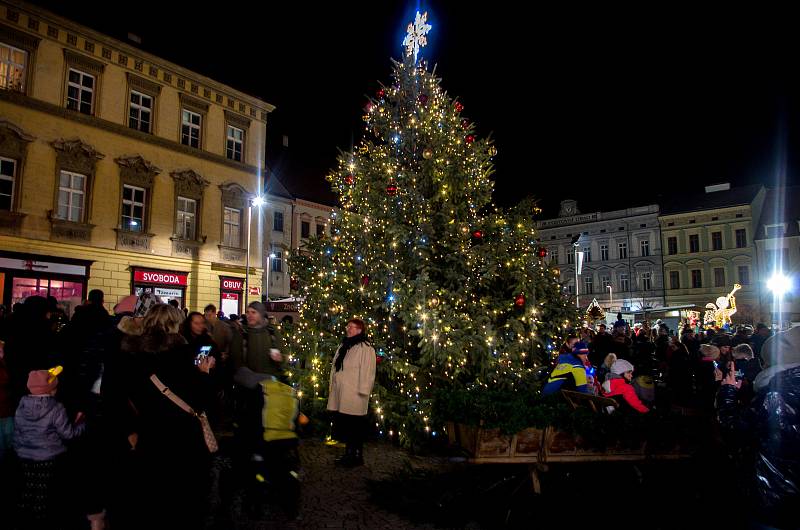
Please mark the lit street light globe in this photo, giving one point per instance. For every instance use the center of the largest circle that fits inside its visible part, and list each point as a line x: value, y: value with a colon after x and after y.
x: 779, y: 284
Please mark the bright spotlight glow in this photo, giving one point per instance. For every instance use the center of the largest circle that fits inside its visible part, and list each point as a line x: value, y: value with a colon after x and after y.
x: 258, y: 201
x: 272, y: 255
x: 779, y: 284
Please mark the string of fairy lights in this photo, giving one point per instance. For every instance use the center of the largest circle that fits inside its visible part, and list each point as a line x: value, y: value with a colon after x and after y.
x: 454, y: 290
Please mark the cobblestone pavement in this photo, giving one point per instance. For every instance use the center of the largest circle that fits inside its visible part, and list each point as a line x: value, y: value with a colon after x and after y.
x: 334, y: 497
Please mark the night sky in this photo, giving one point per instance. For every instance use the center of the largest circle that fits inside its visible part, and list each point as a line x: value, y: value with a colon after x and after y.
x: 613, y: 107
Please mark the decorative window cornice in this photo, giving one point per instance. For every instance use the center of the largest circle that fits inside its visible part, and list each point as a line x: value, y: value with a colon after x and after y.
x: 143, y: 85
x: 137, y: 171
x: 22, y: 40
x: 83, y: 62
x: 237, y: 120
x: 13, y: 140
x: 76, y: 155
x: 189, y: 183
x: 235, y: 196
x: 193, y: 104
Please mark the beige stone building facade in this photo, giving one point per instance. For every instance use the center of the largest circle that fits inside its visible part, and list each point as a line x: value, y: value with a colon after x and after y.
x: 120, y: 170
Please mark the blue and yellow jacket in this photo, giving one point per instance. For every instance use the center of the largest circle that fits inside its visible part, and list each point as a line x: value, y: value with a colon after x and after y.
x: 569, y: 374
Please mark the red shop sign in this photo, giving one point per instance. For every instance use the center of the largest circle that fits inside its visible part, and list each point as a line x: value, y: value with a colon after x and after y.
x: 230, y: 296
x: 162, y: 278
x: 231, y: 284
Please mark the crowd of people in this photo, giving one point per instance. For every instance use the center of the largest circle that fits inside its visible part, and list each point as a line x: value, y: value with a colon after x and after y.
x: 109, y: 420
x: 746, y: 384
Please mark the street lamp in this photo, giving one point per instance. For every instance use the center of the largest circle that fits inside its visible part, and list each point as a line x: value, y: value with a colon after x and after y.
x: 269, y: 267
x: 257, y: 201
x: 576, y: 244
x: 779, y: 284
x: 610, y: 298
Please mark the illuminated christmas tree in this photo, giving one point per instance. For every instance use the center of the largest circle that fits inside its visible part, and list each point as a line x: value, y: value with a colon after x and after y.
x: 456, y: 293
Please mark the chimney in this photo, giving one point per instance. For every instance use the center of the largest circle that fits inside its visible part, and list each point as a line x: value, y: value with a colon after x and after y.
x: 718, y: 187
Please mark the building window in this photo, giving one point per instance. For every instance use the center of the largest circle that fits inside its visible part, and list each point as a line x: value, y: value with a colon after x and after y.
x: 71, y: 196
x: 80, y: 91
x: 571, y: 289
x: 305, y: 229
x: 277, y: 221
x: 277, y: 261
x: 624, y: 282
x: 694, y: 243
x: 570, y: 257
x: 674, y: 280
x: 719, y: 277
x: 13, y: 63
x: 741, y: 238
x: 8, y: 171
x: 779, y: 258
x: 672, y: 245
x: 603, y: 252
x: 774, y: 231
x: 133, y: 199
x: 647, y: 281
x: 587, y: 254
x: 187, y: 218
x: 716, y: 240
x: 605, y: 281
x: 320, y: 230
x: 744, y: 275
x: 231, y: 233
x: 554, y: 256
x: 234, y: 143
x: 697, y: 279
x: 190, y: 128
x: 644, y: 245
x: 588, y: 284
x: 141, y: 112
x: 622, y: 248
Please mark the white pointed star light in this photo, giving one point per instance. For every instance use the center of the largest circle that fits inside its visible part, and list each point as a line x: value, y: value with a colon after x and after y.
x: 415, y: 35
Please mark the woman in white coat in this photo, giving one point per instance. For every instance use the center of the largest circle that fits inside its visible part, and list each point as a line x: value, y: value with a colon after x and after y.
x: 352, y: 378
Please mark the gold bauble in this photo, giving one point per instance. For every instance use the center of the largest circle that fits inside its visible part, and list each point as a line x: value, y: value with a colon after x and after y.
x: 427, y: 154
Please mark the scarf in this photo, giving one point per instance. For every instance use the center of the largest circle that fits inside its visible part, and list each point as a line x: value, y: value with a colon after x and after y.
x: 347, y: 343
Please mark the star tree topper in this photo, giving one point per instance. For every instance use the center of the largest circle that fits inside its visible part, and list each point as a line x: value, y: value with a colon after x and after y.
x: 415, y: 34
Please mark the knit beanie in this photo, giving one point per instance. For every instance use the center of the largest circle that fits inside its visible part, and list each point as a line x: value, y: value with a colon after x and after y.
x: 40, y: 382
x: 621, y: 366
x: 258, y: 306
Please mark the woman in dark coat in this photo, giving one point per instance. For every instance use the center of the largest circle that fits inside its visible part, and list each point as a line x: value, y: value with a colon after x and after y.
x: 169, y: 441
x: 770, y: 425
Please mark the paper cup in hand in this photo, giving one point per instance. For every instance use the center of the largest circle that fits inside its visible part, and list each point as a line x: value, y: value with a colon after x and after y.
x: 275, y: 354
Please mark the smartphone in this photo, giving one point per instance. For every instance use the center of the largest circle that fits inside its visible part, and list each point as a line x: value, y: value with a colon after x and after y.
x: 204, y: 351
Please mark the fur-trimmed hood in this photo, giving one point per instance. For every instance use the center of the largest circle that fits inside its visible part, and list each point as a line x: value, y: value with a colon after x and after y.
x: 152, y: 343
x: 130, y: 325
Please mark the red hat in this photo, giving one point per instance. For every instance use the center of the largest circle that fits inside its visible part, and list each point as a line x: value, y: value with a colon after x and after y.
x: 41, y: 382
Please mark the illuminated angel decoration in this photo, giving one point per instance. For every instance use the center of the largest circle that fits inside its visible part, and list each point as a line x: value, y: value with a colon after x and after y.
x: 720, y: 314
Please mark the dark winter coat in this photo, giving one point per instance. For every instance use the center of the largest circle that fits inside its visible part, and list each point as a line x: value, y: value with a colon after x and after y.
x: 31, y: 345
x: 706, y: 384
x: 165, y: 431
x: 251, y: 349
x: 41, y: 426
x: 600, y: 346
x: 680, y: 375
x: 771, y: 424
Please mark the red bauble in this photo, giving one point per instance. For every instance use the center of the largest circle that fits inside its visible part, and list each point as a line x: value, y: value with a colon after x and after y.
x: 294, y: 283
x: 477, y: 234
x: 380, y: 93
x: 459, y: 107
x: 542, y: 252
x: 368, y: 106
x: 469, y: 139
x: 391, y: 189
x: 464, y: 124
x: 422, y: 98
x: 349, y: 180
x: 365, y: 280
x: 519, y: 301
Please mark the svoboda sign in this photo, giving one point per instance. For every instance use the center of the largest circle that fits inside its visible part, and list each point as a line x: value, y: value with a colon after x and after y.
x: 162, y: 278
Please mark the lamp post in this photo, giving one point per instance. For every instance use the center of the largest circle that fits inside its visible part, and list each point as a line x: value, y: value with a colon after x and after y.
x: 269, y: 267
x: 257, y: 201
x: 610, y: 298
x: 779, y: 284
x: 575, y: 245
